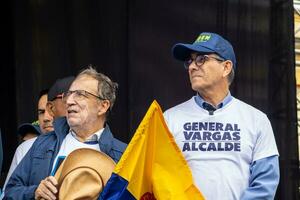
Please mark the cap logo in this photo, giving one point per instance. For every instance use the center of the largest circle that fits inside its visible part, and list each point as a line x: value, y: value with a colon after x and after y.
x: 203, y: 38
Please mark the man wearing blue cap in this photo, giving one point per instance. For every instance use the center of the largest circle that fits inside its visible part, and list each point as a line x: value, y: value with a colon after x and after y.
x: 228, y: 144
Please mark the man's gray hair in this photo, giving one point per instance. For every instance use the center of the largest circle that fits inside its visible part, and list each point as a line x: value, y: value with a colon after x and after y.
x: 106, y: 87
x: 230, y: 76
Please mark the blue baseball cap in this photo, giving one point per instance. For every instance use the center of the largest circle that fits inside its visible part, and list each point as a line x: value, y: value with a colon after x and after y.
x: 25, y: 128
x: 206, y: 43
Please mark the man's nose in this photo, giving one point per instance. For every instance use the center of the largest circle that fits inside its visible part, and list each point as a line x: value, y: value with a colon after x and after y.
x: 47, y: 116
x: 70, y: 100
x: 193, y: 66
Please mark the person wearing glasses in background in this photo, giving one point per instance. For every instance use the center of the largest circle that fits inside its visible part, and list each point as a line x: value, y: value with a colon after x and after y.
x: 43, y: 126
x: 90, y: 97
x: 55, y: 105
x: 228, y: 144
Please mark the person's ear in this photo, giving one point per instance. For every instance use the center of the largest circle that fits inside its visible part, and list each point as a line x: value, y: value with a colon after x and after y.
x: 50, y: 108
x: 103, y: 106
x: 227, y: 67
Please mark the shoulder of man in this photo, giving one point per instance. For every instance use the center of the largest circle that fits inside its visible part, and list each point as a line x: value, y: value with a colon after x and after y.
x: 110, y: 145
x: 44, y: 140
x: 243, y: 106
x: 117, y: 149
x: 181, y: 106
x: 119, y: 145
x: 24, y: 147
x: 26, y: 144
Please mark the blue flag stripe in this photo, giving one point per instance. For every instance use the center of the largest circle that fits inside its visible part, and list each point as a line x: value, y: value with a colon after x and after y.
x: 116, y: 188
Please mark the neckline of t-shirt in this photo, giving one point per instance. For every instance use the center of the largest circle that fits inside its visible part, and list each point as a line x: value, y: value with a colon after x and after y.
x: 72, y: 139
x: 219, y: 110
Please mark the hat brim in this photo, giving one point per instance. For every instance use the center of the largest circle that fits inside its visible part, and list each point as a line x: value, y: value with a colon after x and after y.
x: 183, y: 51
x: 94, y: 168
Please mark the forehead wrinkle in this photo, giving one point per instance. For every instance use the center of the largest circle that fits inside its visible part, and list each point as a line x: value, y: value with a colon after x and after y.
x: 85, y: 82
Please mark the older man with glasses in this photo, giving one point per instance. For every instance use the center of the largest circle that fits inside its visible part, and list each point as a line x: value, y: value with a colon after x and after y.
x: 228, y: 144
x: 90, y: 97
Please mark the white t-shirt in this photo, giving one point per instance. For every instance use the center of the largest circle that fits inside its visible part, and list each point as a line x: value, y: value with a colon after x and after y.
x: 20, y: 152
x: 220, y: 148
x: 69, y: 144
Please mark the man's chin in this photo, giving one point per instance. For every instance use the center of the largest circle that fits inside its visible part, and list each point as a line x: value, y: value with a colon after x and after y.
x: 72, y: 123
x: 48, y: 129
x: 197, y: 87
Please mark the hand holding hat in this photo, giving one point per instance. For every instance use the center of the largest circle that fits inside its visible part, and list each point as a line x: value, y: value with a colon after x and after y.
x: 83, y: 174
x: 46, y: 189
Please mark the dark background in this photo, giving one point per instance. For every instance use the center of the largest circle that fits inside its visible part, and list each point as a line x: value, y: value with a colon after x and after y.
x: 130, y: 41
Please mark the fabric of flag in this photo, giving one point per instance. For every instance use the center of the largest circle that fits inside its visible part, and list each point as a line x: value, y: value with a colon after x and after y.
x: 152, y: 166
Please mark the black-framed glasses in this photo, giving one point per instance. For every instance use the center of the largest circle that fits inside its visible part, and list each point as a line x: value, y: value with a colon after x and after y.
x: 79, y: 95
x: 200, y: 60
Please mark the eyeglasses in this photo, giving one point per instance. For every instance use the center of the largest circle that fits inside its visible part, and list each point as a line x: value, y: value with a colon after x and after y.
x: 200, y: 60
x: 79, y: 95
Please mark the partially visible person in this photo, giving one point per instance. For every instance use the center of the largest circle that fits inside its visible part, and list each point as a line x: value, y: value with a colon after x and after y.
x: 55, y: 105
x: 88, y: 101
x: 228, y: 144
x: 50, y: 107
x: 28, y: 130
x: 44, y: 118
x: 45, y: 125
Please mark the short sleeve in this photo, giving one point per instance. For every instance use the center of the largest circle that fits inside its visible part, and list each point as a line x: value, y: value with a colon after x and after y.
x: 265, y: 143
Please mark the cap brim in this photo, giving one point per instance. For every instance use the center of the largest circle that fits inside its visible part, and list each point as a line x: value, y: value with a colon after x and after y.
x: 182, y: 51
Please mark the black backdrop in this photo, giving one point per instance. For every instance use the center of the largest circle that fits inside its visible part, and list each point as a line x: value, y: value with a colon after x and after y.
x: 130, y: 41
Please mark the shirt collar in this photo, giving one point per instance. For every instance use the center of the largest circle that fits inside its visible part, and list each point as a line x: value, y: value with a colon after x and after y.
x: 199, y: 100
x: 94, y: 138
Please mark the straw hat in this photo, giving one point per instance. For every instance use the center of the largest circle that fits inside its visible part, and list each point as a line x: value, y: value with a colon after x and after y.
x: 83, y: 174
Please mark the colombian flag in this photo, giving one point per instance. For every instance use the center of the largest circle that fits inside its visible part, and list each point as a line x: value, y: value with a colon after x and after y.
x: 152, y: 166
